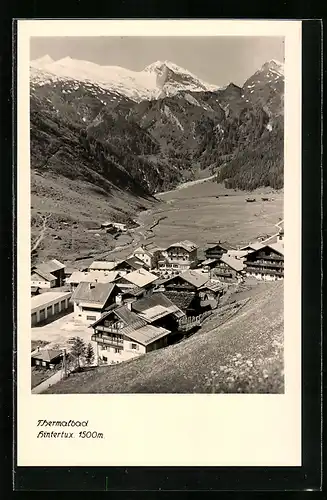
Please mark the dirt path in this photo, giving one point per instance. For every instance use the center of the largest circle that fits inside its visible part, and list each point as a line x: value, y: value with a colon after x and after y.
x: 47, y: 383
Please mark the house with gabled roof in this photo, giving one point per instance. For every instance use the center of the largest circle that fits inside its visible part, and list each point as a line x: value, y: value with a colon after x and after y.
x: 129, y: 265
x: 148, y: 254
x: 177, y: 258
x: 91, y: 299
x: 266, y: 263
x: 140, y: 278
x: 186, y: 291
x: 228, y: 269
x: 46, y: 358
x: 91, y: 277
x: 41, y: 279
x: 121, y: 334
x: 216, y: 250
x: 53, y: 267
x: 102, y: 265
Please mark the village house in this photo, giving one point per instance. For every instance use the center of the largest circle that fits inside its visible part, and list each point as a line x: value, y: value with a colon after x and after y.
x: 210, y: 294
x: 121, y: 334
x: 91, y: 300
x: 216, y: 250
x: 178, y: 258
x: 116, y: 225
x: 53, y: 267
x: 91, y: 277
x: 128, y: 265
x: 158, y: 310
x: 149, y: 255
x: 266, y: 263
x: 228, y: 269
x: 47, y: 306
x: 102, y: 265
x: 141, y: 278
x: 40, y: 279
x: 184, y: 291
x: 47, y: 358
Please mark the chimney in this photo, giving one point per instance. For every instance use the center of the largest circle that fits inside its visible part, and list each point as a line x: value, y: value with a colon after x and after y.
x: 119, y: 298
x: 129, y: 305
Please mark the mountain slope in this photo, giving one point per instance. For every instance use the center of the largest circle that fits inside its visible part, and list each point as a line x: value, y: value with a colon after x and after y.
x: 244, y: 354
x: 118, y: 144
x: 159, y: 78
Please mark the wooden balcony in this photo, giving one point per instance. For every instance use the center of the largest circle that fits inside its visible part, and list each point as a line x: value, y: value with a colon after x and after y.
x: 107, y: 329
x: 262, y: 263
x: 107, y: 340
x: 264, y: 270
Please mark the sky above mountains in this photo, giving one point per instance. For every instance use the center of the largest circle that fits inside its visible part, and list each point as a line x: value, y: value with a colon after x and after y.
x: 217, y: 60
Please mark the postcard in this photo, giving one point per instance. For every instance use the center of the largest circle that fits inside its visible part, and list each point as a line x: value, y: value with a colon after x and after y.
x: 159, y: 243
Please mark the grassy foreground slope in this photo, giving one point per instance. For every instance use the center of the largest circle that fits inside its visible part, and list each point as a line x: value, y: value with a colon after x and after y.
x: 245, y: 354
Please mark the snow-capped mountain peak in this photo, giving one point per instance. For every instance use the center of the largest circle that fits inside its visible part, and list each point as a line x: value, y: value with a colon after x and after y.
x: 274, y: 66
x: 42, y: 61
x: 159, y: 79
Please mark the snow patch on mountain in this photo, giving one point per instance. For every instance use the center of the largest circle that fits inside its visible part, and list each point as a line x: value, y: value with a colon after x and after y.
x: 172, y: 118
x: 156, y: 80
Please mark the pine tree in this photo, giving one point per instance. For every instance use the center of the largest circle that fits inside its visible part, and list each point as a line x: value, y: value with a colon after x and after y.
x: 89, y: 356
x: 78, y: 350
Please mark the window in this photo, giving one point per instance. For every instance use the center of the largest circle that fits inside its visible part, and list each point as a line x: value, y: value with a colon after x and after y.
x: 134, y: 346
x: 105, y: 359
x: 90, y: 318
x: 62, y: 305
x: 44, y: 363
x: 117, y: 351
x: 49, y: 311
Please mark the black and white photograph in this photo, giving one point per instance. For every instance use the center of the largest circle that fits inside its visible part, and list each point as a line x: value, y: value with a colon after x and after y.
x: 157, y: 226
x: 159, y: 243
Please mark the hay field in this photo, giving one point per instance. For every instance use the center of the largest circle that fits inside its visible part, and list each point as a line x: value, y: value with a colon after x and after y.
x: 195, y: 213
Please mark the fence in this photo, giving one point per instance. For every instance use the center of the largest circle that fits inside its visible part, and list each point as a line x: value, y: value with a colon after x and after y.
x: 187, y: 323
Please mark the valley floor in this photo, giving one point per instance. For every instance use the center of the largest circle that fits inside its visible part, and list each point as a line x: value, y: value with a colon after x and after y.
x: 204, y: 212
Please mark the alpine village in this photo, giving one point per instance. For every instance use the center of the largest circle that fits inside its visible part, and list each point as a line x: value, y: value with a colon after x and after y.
x: 160, y: 270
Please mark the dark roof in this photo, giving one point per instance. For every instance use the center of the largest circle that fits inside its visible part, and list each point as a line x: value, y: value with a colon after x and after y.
x: 93, y: 292
x: 132, y: 262
x: 156, y: 299
x: 181, y: 299
x: 222, y: 244
x: 46, y: 354
x: 127, y: 316
x: 130, y: 318
x: 51, y: 266
x: 133, y: 291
